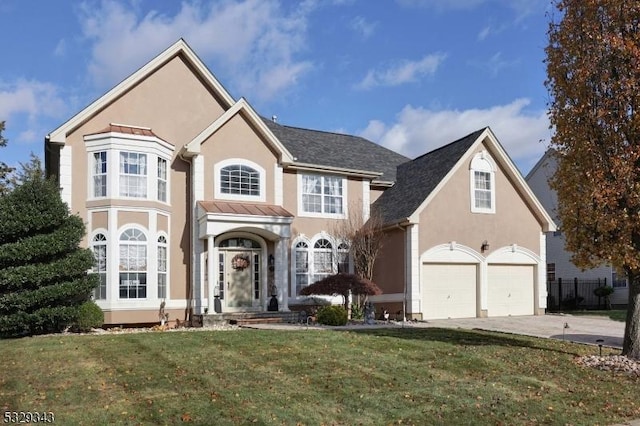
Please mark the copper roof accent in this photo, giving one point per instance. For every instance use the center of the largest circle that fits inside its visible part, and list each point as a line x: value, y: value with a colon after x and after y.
x: 129, y: 130
x: 224, y: 207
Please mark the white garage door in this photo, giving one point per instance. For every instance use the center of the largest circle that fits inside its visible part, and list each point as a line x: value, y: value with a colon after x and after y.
x: 510, y: 290
x: 448, y: 290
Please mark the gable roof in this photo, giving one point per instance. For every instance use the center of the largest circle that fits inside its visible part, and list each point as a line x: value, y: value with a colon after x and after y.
x: 338, y: 151
x: 420, y: 180
x: 181, y: 48
x: 417, y: 179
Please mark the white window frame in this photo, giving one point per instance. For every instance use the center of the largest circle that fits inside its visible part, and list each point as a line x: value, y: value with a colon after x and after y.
x: 262, y: 176
x: 114, y: 144
x: 146, y: 270
x: 140, y: 178
x: 103, y: 175
x: 162, y: 180
x: 312, y: 252
x: 482, y: 163
x: 301, y: 193
x: 101, y: 267
x: 162, y: 269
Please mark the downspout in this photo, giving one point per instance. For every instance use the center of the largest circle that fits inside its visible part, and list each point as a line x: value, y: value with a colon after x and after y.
x: 188, y: 315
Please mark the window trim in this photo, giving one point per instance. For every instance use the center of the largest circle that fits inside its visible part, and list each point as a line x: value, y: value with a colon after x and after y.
x: 94, y: 175
x: 482, y: 162
x: 322, y: 214
x: 146, y: 271
x: 311, y: 251
x: 164, y: 245
x: 94, y: 243
x: 262, y: 176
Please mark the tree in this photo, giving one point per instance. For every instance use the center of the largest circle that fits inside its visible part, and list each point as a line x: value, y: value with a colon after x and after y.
x: 342, y: 284
x: 5, y: 170
x: 593, y: 68
x: 43, y: 272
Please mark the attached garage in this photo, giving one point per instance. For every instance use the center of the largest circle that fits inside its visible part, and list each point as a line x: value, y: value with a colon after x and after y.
x: 510, y: 290
x: 449, y: 290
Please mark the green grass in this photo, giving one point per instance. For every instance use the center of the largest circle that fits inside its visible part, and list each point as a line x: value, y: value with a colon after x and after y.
x: 614, y: 314
x: 369, y: 377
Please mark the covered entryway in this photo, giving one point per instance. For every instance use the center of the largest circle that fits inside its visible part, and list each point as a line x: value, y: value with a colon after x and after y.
x: 240, y: 273
x: 510, y: 290
x: 449, y: 290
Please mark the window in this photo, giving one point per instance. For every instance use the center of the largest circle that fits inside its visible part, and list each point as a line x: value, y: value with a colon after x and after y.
x: 133, y: 174
x: 343, y: 258
x: 240, y: 180
x: 221, y: 273
x: 256, y: 276
x: 322, y: 194
x: 162, y: 179
x: 322, y: 259
x: 302, y: 265
x: 99, y: 246
x: 100, y: 174
x: 133, y: 264
x: 162, y: 267
x: 551, y: 271
x: 483, y: 193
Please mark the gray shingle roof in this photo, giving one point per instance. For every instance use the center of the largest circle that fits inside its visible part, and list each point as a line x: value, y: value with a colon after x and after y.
x: 337, y: 150
x: 416, y: 179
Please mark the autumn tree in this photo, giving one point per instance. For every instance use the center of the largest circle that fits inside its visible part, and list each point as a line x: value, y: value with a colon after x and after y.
x: 593, y: 68
x: 343, y: 285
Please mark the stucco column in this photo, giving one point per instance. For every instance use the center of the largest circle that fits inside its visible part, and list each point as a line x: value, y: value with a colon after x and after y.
x: 212, y: 274
x: 412, y: 272
x: 282, y: 273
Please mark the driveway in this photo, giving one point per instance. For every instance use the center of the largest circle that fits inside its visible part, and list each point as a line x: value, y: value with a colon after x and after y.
x: 578, y: 328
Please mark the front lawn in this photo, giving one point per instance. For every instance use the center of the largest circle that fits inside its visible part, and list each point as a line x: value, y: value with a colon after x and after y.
x: 307, y: 377
x: 614, y: 314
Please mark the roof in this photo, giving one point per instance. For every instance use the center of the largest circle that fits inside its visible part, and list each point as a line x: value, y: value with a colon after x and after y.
x: 337, y: 150
x: 250, y: 209
x: 416, y: 179
x: 127, y: 130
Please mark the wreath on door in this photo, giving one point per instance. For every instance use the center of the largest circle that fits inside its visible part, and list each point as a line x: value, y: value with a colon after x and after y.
x: 240, y: 261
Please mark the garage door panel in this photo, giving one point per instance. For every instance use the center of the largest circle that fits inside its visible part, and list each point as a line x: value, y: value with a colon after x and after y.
x: 510, y: 290
x: 449, y: 290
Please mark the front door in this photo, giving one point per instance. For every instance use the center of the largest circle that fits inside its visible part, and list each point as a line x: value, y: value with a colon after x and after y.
x: 239, y: 278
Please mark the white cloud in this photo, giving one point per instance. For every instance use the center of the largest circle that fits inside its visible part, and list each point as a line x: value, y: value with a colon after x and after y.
x: 495, y: 64
x: 484, y: 33
x: 419, y: 130
x: 253, y: 41
x: 521, y: 8
x: 30, y: 97
x: 404, y: 72
x: 363, y: 27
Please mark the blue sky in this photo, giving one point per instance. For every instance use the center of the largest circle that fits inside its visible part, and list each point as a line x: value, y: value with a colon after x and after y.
x: 411, y: 75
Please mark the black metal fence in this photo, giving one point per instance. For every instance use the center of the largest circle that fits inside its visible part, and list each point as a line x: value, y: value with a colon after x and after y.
x: 567, y: 294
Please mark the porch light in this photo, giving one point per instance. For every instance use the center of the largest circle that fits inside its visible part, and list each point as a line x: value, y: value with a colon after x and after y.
x: 485, y: 246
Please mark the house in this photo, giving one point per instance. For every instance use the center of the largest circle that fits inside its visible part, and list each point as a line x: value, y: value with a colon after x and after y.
x: 559, y: 265
x: 193, y: 199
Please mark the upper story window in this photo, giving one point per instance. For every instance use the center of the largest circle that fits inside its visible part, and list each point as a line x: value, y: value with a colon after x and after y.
x: 128, y: 162
x: 322, y: 195
x: 482, y: 182
x: 100, y: 174
x: 133, y: 175
x: 239, y: 179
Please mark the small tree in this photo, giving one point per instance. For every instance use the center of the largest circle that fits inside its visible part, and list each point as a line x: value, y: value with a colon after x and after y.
x: 365, y: 239
x: 43, y: 272
x: 342, y: 284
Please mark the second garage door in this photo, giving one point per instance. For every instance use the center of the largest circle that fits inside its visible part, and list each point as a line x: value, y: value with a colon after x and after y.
x: 449, y: 290
x: 510, y: 290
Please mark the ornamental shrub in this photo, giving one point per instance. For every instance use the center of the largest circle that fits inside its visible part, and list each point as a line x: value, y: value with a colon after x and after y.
x: 332, y: 315
x: 89, y: 316
x: 43, y: 270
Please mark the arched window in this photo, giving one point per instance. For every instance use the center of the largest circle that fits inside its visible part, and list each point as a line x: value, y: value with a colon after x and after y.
x: 343, y: 258
x: 482, y: 181
x: 239, y: 179
x: 162, y: 267
x: 322, y: 259
x: 133, y: 264
x: 301, y: 256
x: 99, y: 246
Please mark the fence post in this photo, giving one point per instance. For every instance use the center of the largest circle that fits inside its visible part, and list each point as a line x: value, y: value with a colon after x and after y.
x: 559, y: 293
x: 575, y: 287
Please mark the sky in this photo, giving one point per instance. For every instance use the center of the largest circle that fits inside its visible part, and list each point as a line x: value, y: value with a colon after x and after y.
x: 411, y: 75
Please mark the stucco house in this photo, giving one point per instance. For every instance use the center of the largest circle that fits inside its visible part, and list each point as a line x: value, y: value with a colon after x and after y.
x: 559, y: 265
x: 193, y: 199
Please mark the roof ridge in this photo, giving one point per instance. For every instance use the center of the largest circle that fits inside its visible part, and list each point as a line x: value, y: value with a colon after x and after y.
x: 449, y: 144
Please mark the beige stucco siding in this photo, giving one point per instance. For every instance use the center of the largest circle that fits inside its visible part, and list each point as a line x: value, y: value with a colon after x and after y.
x: 389, y: 269
x: 100, y: 220
x: 163, y: 223
x: 237, y: 139
x: 448, y: 216
x: 129, y: 217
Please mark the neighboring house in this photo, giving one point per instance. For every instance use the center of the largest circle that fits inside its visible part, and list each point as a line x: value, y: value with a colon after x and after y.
x: 191, y: 198
x: 559, y: 265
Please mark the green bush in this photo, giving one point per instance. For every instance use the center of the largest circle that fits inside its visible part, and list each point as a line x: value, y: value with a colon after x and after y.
x: 603, y: 291
x: 332, y: 315
x: 89, y: 316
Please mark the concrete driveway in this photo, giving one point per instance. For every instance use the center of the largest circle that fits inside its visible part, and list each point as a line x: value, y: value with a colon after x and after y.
x: 578, y: 328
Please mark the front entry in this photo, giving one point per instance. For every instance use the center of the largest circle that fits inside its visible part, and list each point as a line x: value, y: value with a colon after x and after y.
x: 239, y: 280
